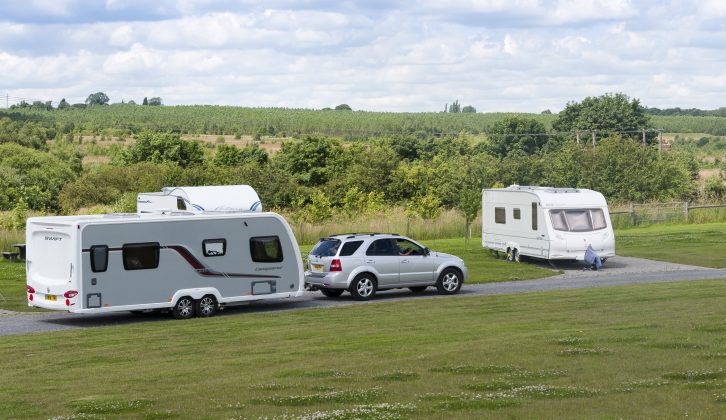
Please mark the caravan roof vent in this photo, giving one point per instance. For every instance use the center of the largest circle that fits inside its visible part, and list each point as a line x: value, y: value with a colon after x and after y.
x: 121, y: 216
x: 562, y: 190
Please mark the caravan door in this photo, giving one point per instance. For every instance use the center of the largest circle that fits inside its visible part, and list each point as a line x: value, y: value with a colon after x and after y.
x: 539, y: 228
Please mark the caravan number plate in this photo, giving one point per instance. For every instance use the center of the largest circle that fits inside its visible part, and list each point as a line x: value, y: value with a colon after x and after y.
x: 317, y: 267
x: 51, y: 297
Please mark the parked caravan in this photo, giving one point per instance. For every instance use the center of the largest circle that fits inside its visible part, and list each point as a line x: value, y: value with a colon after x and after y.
x: 190, y: 263
x: 200, y: 199
x: 548, y: 223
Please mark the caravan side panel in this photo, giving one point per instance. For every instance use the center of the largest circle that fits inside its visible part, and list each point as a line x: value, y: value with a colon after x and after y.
x: 513, y: 219
x: 133, y: 276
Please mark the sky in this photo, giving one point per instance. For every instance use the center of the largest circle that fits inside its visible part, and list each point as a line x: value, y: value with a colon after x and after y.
x: 375, y: 55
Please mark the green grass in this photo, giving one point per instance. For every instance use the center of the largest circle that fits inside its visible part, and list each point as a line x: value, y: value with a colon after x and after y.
x: 703, y: 245
x: 474, y: 357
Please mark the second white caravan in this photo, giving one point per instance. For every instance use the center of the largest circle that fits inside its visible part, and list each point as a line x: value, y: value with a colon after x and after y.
x: 548, y: 223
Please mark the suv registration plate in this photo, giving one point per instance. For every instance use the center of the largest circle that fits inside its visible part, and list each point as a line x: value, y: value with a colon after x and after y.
x: 51, y: 297
x: 317, y: 267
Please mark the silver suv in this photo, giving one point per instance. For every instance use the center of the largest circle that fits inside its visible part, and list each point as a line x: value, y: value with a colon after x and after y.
x: 365, y: 263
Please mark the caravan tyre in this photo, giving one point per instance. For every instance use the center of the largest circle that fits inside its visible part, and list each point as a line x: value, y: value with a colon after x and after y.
x: 449, y: 282
x: 206, y: 306
x: 363, y: 287
x: 184, y: 308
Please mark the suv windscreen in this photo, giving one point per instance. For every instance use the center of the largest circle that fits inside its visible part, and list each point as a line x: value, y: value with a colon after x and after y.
x: 349, y: 248
x: 327, y: 247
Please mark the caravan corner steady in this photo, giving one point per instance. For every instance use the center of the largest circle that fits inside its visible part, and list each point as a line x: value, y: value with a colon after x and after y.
x: 189, y: 263
x: 547, y: 223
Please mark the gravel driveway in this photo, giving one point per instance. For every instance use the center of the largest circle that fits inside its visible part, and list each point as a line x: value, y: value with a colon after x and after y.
x: 616, y: 271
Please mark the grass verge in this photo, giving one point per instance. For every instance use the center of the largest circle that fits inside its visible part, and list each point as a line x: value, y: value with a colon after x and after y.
x: 703, y: 245
x: 485, y: 356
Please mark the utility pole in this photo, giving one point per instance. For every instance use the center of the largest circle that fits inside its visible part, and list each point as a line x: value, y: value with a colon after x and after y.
x: 644, y: 137
x: 577, y: 135
x: 660, y: 149
x: 593, y: 137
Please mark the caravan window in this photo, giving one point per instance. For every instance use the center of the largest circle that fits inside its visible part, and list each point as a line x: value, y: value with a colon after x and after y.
x: 180, y: 204
x: 214, y: 247
x: 99, y: 258
x: 142, y: 256
x: 580, y: 220
x: 598, y: 219
x: 517, y: 214
x: 266, y: 249
x: 500, y: 216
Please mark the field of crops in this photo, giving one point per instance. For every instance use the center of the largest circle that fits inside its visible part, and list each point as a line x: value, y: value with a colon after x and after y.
x: 208, y: 119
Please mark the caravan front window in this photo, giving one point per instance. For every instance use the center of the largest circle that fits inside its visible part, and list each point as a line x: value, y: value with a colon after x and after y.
x: 99, y: 258
x: 266, y: 249
x: 580, y: 220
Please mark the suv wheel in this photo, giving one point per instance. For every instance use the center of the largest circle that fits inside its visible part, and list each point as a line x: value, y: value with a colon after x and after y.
x: 363, y: 287
x: 449, y: 282
x: 332, y: 293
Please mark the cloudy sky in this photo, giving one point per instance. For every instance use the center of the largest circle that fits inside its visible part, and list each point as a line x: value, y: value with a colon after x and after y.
x: 497, y: 55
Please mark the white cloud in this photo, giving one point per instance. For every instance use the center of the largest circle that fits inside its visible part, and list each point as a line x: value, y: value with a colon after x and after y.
x: 497, y: 55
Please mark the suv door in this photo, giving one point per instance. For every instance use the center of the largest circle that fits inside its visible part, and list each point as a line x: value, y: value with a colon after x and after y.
x: 382, y: 254
x: 415, y: 266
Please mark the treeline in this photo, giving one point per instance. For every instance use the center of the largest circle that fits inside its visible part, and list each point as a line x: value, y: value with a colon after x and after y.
x: 694, y: 112
x: 318, y: 175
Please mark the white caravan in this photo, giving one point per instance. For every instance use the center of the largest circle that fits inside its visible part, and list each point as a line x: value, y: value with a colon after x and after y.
x: 548, y: 223
x: 189, y: 263
x: 200, y: 199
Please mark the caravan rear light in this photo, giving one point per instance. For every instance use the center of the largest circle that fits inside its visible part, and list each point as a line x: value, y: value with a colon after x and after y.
x: 335, y: 265
x: 29, y: 289
x: 70, y: 294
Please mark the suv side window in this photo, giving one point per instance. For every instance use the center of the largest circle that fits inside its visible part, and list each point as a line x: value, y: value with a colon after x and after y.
x: 349, y: 248
x: 382, y: 247
x: 406, y: 247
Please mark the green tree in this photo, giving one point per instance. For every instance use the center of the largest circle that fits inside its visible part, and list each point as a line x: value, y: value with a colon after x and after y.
x: 155, y: 101
x: 469, y: 204
x: 163, y: 147
x: 609, y: 113
x: 468, y: 109
x: 98, y: 98
x: 311, y: 161
x: 319, y: 209
x: 343, y: 107
x: 714, y: 188
x: 516, y: 133
x: 229, y: 155
x: 455, y: 107
x: 63, y: 104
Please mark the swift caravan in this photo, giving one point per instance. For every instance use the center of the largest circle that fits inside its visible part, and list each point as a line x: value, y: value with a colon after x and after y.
x: 547, y: 223
x: 192, y: 264
x: 200, y: 199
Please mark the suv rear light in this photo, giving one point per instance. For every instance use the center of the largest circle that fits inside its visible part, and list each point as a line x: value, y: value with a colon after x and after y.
x: 335, y: 265
x: 70, y: 294
x: 29, y: 289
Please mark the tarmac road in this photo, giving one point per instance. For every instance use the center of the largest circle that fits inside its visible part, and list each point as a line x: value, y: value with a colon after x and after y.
x: 616, y: 272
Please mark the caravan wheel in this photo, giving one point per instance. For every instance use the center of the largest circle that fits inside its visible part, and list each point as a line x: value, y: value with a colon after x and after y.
x: 184, y: 308
x: 206, y: 306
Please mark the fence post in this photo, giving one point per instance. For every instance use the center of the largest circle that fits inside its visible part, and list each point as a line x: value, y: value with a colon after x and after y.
x: 631, y: 214
x: 685, y: 211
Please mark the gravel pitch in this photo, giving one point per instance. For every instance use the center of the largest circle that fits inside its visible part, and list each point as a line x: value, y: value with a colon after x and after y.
x: 616, y: 272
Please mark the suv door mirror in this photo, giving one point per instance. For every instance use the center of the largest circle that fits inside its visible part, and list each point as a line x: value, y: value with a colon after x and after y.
x: 426, y: 251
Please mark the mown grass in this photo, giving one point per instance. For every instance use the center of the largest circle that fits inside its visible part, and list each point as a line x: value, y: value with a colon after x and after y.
x: 703, y: 245
x: 474, y: 357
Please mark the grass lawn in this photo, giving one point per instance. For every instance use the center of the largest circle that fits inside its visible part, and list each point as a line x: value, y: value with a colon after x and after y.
x: 483, y: 268
x: 655, y: 351
x: 703, y: 244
